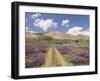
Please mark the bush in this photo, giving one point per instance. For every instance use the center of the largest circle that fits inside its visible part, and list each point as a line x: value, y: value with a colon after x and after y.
x: 63, y: 49
x: 29, y: 50
x: 38, y: 60
x: 81, y: 58
x: 28, y: 64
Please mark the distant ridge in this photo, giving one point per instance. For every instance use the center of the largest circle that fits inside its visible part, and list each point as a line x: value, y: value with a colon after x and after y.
x: 56, y: 35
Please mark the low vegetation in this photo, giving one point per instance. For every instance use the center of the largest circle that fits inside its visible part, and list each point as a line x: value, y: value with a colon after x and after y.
x: 75, y: 51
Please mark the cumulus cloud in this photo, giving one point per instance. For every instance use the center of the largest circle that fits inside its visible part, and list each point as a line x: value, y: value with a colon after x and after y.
x: 78, y: 31
x: 55, y: 24
x: 65, y: 22
x: 45, y: 24
x: 85, y: 33
x: 34, y: 16
x: 27, y: 29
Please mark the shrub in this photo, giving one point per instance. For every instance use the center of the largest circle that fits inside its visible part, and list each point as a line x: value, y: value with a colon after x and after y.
x: 63, y: 49
x: 28, y: 64
x: 38, y: 60
x: 29, y: 49
x: 81, y: 58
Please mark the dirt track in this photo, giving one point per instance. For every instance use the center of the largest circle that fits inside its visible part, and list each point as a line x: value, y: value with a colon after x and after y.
x: 54, y: 58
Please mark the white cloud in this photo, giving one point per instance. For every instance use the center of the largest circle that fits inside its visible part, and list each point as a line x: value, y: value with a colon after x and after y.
x: 32, y: 32
x: 36, y: 22
x: 65, y: 22
x: 45, y: 24
x: 28, y: 30
x: 78, y: 31
x: 34, y: 16
x: 85, y: 33
x: 55, y: 24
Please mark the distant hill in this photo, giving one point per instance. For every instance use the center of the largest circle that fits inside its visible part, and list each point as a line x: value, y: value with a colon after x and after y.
x: 56, y: 35
x: 61, y: 35
x: 30, y: 35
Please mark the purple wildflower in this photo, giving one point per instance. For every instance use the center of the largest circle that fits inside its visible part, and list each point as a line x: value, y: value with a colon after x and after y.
x: 81, y: 58
x: 28, y: 64
x: 29, y: 49
x: 38, y: 59
x: 63, y: 49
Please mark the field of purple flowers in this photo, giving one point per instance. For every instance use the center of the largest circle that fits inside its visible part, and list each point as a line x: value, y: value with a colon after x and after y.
x: 36, y: 52
x: 75, y: 55
x: 35, y: 55
x: 80, y: 58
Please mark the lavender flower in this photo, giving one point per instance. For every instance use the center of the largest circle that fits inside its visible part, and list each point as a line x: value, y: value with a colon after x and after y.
x: 63, y: 49
x: 29, y: 49
x: 38, y: 60
x: 28, y: 64
x: 81, y: 58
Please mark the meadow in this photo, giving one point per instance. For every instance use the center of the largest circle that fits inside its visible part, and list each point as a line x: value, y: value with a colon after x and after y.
x: 74, y: 52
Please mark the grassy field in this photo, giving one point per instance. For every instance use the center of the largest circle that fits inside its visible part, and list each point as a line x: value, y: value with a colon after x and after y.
x: 47, y: 52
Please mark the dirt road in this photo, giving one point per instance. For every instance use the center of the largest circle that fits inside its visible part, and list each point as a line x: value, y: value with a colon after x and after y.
x: 54, y: 58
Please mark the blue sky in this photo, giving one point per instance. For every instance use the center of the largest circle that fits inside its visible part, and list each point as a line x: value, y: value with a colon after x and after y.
x: 67, y: 23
